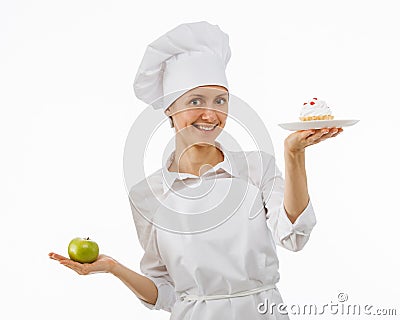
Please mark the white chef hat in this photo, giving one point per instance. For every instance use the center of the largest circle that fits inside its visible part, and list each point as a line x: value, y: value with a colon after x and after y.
x: 190, y: 55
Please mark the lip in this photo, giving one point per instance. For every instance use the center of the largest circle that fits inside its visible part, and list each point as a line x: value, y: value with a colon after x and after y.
x: 204, y: 131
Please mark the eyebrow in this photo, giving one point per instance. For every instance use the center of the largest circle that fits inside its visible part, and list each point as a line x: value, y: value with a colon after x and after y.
x: 201, y: 96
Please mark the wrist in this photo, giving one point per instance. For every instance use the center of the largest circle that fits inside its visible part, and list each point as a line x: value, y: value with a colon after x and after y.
x: 293, y: 153
x: 291, y: 148
x: 294, y: 159
x: 113, y: 267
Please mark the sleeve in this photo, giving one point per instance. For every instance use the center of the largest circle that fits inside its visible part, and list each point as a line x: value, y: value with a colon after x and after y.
x: 151, y: 264
x: 292, y: 236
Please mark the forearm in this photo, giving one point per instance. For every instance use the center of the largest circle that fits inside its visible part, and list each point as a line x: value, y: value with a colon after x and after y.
x: 296, y: 191
x: 142, y: 286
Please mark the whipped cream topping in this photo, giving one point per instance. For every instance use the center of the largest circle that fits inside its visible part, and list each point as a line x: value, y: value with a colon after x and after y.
x: 315, y: 107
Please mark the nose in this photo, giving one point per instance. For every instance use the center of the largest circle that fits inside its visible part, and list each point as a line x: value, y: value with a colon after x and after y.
x: 209, y: 114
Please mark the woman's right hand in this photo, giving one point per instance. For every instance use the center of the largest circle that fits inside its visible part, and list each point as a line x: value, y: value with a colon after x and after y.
x: 102, y: 264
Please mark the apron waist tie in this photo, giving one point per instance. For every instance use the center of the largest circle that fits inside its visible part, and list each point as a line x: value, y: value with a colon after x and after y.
x: 192, y: 297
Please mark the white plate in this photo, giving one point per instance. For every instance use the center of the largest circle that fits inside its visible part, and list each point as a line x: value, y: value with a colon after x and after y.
x: 317, y: 124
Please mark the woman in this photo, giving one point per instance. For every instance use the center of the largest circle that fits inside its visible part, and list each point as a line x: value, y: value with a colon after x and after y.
x: 224, y: 271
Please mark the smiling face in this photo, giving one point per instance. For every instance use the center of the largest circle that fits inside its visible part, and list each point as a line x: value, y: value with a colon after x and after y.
x: 200, y: 114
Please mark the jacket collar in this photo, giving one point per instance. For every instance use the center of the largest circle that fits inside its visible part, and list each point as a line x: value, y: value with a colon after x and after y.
x: 228, y: 165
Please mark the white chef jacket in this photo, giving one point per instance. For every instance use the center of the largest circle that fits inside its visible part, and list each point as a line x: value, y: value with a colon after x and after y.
x: 237, y: 255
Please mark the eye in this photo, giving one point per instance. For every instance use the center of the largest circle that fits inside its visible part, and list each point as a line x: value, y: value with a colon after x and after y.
x: 196, y: 104
x: 221, y: 99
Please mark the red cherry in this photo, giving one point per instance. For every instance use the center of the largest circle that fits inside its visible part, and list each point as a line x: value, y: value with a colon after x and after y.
x: 304, y: 103
x: 312, y: 102
x: 315, y: 98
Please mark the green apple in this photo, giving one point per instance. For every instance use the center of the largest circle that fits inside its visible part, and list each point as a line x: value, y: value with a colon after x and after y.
x: 83, y: 250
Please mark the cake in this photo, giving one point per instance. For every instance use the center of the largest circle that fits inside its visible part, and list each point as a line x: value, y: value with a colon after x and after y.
x: 315, y: 109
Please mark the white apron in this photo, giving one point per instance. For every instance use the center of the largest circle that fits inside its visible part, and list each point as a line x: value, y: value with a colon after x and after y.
x: 235, y: 257
x: 223, y: 264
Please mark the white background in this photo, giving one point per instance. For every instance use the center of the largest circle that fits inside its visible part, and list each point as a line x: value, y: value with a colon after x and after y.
x: 67, y: 104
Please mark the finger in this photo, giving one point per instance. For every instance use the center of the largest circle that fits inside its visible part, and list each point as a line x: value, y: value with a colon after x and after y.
x: 56, y: 256
x: 340, y: 130
x: 331, y: 132
x: 75, y: 266
x: 304, y: 134
x: 316, y: 136
x: 318, y: 141
x: 323, y: 132
x: 71, y: 263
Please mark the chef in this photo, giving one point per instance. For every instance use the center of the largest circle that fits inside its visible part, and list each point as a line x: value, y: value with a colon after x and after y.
x: 225, y: 272
x: 209, y: 220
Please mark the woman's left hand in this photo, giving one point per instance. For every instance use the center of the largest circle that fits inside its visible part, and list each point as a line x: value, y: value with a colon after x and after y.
x: 299, y: 140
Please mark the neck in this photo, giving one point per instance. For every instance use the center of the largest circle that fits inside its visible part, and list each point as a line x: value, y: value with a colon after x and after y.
x: 196, y: 159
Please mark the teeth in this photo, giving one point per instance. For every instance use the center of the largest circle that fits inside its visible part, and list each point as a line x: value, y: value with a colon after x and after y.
x: 205, y: 128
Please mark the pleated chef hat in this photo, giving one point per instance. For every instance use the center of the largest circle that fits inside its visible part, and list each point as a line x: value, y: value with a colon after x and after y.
x: 190, y: 55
